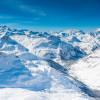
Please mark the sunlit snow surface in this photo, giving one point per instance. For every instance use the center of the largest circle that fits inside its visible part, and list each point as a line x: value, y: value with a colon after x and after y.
x: 25, y: 73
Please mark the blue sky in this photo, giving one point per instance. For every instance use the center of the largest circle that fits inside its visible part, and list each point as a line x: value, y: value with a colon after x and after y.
x: 46, y: 15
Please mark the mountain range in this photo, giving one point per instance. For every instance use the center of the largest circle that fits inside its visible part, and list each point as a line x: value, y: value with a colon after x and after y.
x: 49, y: 65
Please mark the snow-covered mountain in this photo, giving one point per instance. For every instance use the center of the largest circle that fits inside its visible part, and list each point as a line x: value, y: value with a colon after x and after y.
x: 87, y: 70
x: 34, y: 65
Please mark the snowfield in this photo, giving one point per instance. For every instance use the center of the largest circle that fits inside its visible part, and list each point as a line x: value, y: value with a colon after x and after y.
x: 49, y: 66
x: 88, y: 70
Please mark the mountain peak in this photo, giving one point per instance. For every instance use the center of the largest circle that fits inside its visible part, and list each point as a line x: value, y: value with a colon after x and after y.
x: 98, y: 29
x: 4, y: 28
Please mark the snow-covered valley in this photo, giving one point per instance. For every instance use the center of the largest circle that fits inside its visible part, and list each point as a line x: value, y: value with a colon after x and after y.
x: 49, y: 66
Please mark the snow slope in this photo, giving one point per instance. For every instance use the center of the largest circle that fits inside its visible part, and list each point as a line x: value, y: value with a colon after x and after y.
x: 26, y: 60
x: 35, y: 75
x: 87, y: 70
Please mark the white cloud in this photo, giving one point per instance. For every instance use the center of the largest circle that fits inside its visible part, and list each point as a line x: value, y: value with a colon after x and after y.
x: 35, y: 10
x: 24, y: 21
x: 27, y: 8
x: 42, y: 13
x: 36, y: 18
x: 4, y: 17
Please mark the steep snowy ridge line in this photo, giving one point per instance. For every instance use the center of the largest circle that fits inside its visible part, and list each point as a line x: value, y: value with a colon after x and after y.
x: 84, y: 88
x: 89, y: 70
